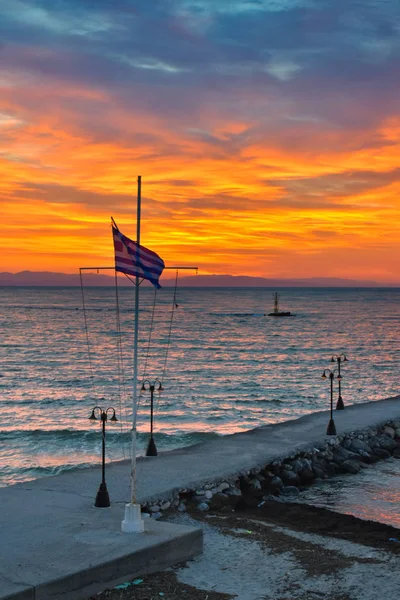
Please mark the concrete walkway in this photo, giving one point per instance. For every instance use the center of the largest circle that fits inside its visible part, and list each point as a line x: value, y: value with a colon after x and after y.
x: 54, y: 544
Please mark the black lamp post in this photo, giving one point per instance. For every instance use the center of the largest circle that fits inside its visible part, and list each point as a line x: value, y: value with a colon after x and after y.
x: 331, y: 429
x: 151, y: 386
x: 102, y: 498
x: 339, y: 359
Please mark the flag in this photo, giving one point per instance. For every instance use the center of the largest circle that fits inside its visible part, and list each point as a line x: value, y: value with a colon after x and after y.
x: 133, y: 259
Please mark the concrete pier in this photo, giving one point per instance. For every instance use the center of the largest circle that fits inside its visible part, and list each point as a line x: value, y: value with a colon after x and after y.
x: 55, y: 544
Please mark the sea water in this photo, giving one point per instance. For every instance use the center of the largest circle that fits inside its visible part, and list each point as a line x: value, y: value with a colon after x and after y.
x: 225, y: 366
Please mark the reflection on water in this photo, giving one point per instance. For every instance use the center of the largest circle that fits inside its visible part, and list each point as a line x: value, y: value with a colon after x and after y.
x: 373, y: 494
x: 229, y: 367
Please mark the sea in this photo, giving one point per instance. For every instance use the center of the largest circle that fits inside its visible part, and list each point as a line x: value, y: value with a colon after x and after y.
x: 224, y: 364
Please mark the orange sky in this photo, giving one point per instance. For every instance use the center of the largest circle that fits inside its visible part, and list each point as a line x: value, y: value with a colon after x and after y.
x: 279, y: 169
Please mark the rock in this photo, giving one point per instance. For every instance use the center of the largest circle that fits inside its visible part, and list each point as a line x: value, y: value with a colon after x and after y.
x: 220, y: 501
x: 379, y: 454
x: 319, y: 473
x: 155, y: 508
x: 156, y: 515
x: 208, y: 494
x: 389, y: 431
x: 255, y: 484
x: 350, y: 466
x: 356, y: 445
x: 383, y: 441
x: 185, y: 493
x: 275, y: 485
x: 181, y: 507
x: 203, y: 507
x: 290, y: 490
x: 222, y: 487
x: 290, y: 477
x: 165, y: 505
x: 306, y: 477
x: 233, y: 492
x: 397, y: 432
x: 341, y: 454
x: 321, y: 463
x: 332, y: 469
x: 296, y: 465
x: 365, y: 457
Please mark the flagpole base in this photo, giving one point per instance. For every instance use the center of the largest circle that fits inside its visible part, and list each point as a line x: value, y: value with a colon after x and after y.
x: 133, y: 522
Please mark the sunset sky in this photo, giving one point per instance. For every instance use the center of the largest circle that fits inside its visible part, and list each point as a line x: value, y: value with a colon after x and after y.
x: 266, y: 132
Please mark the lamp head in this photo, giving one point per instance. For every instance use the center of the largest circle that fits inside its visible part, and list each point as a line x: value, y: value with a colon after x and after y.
x: 333, y: 359
x: 93, y: 416
x: 160, y: 387
x: 143, y: 387
x: 323, y: 376
x: 114, y: 418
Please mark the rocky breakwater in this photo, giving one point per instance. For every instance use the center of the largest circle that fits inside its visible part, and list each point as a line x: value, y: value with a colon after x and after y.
x: 286, y: 477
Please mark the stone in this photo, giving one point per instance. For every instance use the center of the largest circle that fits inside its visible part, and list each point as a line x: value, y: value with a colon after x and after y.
x: 319, y: 473
x: 275, y: 485
x: 297, y: 466
x: 379, y: 454
x: 350, y: 466
x: 290, y: 477
x: 306, y: 477
x: 222, y: 487
x: 155, y: 508
x: 181, y: 507
x: 332, y: 469
x: 208, y: 494
x: 397, y: 432
x: 387, y: 443
x: 341, y: 454
x: 357, y: 445
x: 156, y: 515
x: 389, y: 431
x: 165, y: 505
x: 255, y: 484
x: 233, y: 492
x: 203, y: 507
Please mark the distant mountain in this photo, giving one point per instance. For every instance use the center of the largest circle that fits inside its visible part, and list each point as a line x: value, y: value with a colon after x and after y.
x: 45, y: 278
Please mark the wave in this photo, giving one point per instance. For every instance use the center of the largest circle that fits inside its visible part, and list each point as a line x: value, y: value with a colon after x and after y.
x: 70, y: 435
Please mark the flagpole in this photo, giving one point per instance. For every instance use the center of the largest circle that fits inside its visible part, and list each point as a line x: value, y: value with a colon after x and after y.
x: 133, y: 522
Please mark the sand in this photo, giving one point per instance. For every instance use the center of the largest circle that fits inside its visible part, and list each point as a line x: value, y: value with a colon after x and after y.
x: 279, y: 552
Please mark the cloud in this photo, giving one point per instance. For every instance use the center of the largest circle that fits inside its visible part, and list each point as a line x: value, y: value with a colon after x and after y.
x: 253, y: 120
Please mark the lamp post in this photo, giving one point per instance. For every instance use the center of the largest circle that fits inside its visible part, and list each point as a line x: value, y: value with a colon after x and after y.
x: 339, y: 358
x: 102, y: 498
x: 331, y: 429
x: 151, y: 386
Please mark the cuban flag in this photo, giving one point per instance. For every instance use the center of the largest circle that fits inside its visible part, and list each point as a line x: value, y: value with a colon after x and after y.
x: 133, y: 259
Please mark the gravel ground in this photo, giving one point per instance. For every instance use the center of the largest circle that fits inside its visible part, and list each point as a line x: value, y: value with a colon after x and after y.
x: 279, y: 552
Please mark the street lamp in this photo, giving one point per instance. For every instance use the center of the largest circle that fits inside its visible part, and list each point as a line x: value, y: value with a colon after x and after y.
x: 339, y: 359
x: 331, y: 429
x: 102, y: 498
x: 150, y: 386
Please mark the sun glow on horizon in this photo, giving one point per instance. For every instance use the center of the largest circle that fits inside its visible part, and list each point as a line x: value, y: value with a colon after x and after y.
x: 250, y: 169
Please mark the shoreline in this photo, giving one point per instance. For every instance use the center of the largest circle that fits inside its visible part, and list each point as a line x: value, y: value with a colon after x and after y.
x: 236, y: 470
x: 325, y: 545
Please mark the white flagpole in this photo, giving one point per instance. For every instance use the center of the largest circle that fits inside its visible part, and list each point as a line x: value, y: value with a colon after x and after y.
x: 133, y: 522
